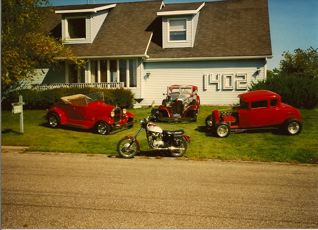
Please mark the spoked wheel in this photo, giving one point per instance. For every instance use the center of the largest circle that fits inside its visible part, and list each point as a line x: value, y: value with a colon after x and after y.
x: 103, y: 128
x: 222, y: 130
x: 53, y: 120
x: 181, y: 146
x: 293, y: 127
x: 127, y: 147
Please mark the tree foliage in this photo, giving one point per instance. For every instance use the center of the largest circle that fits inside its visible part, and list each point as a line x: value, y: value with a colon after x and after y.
x: 300, y: 63
x: 25, y: 46
x: 296, y: 80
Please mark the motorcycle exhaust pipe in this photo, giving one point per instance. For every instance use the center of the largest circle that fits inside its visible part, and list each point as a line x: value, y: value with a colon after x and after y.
x: 175, y: 148
x: 170, y: 148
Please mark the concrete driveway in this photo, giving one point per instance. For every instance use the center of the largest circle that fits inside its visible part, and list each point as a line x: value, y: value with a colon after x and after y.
x: 55, y: 190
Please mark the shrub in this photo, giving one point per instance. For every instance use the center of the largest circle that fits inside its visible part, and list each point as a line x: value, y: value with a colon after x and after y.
x: 35, y: 99
x: 301, y: 92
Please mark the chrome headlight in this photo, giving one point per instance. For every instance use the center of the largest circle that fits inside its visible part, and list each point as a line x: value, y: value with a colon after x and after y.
x: 112, y: 114
x: 124, y: 111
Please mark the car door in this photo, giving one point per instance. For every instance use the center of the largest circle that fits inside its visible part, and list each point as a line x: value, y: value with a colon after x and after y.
x: 85, y: 115
x: 77, y: 111
x: 260, y: 114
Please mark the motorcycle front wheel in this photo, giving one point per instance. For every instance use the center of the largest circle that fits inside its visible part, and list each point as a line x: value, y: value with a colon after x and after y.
x: 182, y: 146
x: 127, y: 147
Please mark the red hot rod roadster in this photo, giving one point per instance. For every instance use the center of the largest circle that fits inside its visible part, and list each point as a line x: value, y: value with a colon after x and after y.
x: 83, y: 112
x: 181, y: 102
x: 257, y: 109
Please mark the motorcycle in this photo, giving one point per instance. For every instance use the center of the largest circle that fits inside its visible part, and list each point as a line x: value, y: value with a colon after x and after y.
x: 176, y: 142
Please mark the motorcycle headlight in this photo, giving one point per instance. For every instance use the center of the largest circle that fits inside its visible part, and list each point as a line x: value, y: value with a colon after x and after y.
x: 210, y: 123
x: 112, y: 114
x: 124, y: 111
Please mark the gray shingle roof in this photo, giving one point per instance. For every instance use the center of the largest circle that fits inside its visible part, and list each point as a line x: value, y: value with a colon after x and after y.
x: 225, y: 29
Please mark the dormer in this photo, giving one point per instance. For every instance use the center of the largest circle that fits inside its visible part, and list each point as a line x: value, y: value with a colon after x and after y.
x: 179, y: 24
x: 82, y: 24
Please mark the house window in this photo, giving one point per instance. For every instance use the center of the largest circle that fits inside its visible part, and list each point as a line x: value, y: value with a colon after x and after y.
x: 132, y: 73
x: 123, y: 72
x: 76, y: 28
x: 103, y: 70
x: 113, y: 70
x: 94, y: 71
x: 177, y: 30
x: 76, y: 74
x: 72, y: 73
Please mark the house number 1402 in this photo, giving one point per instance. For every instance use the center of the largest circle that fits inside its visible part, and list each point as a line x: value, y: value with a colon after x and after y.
x: 225, y: 81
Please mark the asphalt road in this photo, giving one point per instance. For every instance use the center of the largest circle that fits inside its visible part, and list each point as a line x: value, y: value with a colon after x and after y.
x: 53, y: 190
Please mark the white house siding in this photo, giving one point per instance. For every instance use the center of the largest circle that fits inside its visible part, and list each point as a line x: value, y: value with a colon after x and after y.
x: 158, y: 75
x: 195, y: 21
x: 96, y: 22
x: 139, y: 75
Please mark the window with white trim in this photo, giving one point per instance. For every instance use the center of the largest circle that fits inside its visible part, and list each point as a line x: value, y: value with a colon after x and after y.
x: 177, y: 29
x: 76, y: 28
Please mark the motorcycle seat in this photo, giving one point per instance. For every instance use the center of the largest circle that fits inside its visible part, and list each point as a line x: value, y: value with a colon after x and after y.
x: 174, y: 132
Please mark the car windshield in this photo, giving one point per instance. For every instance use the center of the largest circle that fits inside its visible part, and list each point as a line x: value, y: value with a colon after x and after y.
x: 243, y: 104
x: 182, y: 93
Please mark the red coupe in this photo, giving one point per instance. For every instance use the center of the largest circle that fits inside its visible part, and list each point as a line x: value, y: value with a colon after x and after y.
x: 257, y: 109
x: 83, y: 112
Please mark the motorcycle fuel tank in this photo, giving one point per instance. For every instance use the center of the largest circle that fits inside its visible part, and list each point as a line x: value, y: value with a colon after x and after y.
x: 152, y: 127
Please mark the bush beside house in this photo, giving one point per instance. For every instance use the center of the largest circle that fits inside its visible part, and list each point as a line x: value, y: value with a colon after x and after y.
x: 35, y: 99
x: 296, y: 80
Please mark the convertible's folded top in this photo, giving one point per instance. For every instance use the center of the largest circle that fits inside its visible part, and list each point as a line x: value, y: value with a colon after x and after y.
x: 76, y: 99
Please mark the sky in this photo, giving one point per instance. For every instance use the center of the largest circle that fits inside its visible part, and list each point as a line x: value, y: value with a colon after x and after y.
x: 293, y: 23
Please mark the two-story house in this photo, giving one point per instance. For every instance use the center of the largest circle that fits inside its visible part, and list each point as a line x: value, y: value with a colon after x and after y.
x: 219, y: 46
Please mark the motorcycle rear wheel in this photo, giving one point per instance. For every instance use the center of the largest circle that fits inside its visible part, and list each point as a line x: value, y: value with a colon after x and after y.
x: 127, y: 147
x: 179, y: 143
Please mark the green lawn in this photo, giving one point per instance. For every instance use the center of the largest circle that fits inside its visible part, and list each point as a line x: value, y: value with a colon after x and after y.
x: 258, y: 146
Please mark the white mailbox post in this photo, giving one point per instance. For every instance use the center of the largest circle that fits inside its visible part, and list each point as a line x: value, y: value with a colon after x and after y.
x: 17, y: 108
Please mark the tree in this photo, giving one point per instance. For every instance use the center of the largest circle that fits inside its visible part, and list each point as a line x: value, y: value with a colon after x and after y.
x: 300, y: 63
x: 296, y: 80
x: 25, y: 46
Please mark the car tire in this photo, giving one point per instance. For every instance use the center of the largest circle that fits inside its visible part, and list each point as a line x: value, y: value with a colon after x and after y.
x: 207, y: 119
x: 53, y: 120
x: 222, y: 130
x: 292, y: 127
x: 194, y: 115
x: 161, y: 115
x: 102, y: 128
